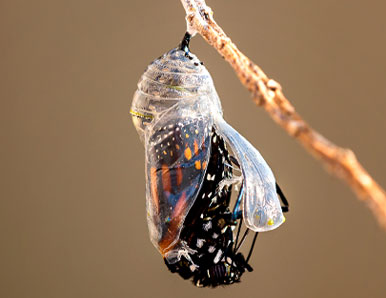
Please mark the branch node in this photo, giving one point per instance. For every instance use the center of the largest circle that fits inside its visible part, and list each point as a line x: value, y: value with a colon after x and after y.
x: 273, y: 85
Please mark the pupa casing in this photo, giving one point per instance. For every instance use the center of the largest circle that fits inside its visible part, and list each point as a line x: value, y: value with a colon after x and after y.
x: 175, y: 110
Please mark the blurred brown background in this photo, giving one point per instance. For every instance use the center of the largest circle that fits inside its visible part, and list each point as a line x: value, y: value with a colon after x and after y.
x: 72, y: 205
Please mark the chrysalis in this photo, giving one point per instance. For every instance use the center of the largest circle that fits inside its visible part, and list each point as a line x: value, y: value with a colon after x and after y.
x: 190, y: 173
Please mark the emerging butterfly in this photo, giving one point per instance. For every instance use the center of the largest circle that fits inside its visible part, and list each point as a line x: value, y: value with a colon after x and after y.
x: 190, y: 173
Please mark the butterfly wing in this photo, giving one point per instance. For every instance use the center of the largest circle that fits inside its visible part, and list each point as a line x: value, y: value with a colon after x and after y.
x: 177, y: 152
x: 261, y: 205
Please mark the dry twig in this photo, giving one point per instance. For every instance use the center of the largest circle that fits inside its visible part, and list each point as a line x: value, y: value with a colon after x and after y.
x: 268, y: 94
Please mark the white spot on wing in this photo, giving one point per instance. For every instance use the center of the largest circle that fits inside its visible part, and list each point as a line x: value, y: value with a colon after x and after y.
x: 218, y: 256
x: 207, y: 226
x: 200, y: 243
x: 211, y: 249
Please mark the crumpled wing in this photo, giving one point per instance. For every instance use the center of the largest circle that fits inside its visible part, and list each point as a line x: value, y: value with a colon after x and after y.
x: 261, y: 205
x: 177, y: 153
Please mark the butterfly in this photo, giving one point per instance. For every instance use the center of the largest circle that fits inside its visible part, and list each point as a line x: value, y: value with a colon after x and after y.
x: 195, y: 162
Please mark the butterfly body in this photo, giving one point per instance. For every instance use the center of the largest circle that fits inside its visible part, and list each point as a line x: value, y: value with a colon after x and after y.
x: 208, y: 228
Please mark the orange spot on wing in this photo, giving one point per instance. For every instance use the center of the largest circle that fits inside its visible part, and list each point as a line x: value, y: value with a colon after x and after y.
x: 177, y: 217
x: 180, y: 207
x: 204, y: 165
x: 179, y: 176
x: 195, y: 147
x: 197, y: 164
x: 188, y: 153
x: 153, y: 186
x: 166, y: 182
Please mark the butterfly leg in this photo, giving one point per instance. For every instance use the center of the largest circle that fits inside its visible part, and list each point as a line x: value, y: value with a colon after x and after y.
x: 283, y: 199
x: 237, y: 214
x: 284, y: 208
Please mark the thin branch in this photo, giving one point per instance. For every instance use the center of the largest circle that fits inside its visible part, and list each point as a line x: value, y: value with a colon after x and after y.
x: 268, y: 94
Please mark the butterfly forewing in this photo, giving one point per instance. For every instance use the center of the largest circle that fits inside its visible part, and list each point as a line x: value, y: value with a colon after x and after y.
x: 177, y: 156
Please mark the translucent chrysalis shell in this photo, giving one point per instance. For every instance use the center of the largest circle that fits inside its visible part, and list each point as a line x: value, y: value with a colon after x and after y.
x: 176, y: 110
